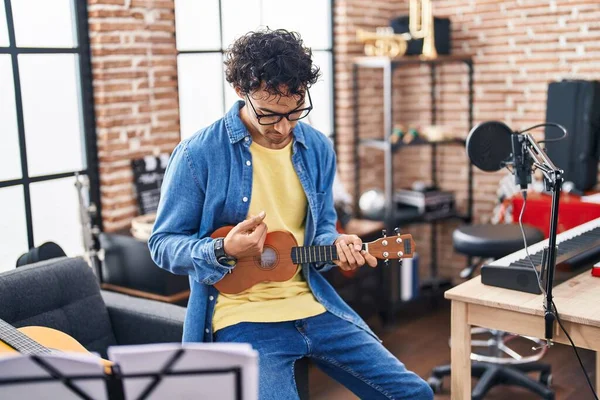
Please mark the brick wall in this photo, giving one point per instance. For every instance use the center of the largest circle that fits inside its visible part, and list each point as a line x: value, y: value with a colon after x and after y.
x: 518, y: 47
x: 135, y: 88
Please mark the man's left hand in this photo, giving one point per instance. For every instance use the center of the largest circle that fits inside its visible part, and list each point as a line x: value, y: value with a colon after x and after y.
x: 350, y: 254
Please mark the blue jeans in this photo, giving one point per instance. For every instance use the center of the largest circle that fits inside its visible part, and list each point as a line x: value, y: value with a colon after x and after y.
x: 343, y: 351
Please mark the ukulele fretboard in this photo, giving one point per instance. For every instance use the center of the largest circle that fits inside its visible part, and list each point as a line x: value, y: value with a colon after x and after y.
x: 315, y: 254
x: 19, y: 341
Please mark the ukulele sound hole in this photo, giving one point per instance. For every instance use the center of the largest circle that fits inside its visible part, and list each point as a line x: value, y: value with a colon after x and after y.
x: 268, y: 258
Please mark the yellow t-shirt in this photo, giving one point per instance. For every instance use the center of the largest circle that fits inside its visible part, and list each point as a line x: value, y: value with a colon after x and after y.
x: 277, y: 190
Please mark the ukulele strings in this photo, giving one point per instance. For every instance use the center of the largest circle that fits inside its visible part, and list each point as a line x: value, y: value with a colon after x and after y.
x: 289, y: 258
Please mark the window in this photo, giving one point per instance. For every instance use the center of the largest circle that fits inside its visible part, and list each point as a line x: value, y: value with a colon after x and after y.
x: 204, y: 30
x: 46, y: 125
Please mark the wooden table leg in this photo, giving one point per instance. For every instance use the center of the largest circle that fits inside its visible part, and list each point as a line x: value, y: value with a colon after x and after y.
x: 598, y: 372
x: 460, y: 353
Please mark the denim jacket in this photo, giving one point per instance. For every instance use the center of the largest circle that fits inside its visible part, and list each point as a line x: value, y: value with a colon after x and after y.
x: 207, y: 185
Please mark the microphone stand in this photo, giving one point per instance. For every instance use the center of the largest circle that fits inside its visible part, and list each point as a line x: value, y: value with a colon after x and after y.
x: 553, y: 181
x: 89, y: 230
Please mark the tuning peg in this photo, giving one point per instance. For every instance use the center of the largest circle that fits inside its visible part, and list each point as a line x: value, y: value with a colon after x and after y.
x: 398, y: 239
x: 387, y: 262
x: 384, y: 233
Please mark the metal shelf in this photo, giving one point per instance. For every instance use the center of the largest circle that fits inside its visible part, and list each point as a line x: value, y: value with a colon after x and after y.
x: 385, y: 144
x: 410, y: 218
x: 392, y: 218
x: 380, y: 62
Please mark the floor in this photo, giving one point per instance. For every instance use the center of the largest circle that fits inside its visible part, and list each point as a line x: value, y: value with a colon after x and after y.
x: 421, y: 343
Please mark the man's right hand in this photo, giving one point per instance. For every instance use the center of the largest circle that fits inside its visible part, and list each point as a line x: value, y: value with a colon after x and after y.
x: 247, y: 238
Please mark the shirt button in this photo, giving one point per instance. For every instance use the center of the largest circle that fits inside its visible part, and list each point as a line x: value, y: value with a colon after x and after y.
x: 211, y: 298
x: 245, y: 199
x: 207, y: 330
x: 248, y: 163
x: 246, y: 138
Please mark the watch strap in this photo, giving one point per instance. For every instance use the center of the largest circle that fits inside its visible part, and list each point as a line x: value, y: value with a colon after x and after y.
x: 221, y: 256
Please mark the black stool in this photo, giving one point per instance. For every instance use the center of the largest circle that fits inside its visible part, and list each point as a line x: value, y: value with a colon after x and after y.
x: 486, y: 242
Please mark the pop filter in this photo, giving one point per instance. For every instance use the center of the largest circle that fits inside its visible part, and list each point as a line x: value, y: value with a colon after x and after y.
x: 489, y: 145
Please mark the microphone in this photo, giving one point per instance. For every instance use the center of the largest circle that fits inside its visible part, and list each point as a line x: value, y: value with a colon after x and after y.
x: 521, y: 163
x: 492, y: 145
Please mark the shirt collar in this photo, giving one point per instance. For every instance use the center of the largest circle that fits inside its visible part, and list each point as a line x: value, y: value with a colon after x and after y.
x: 236, y: 130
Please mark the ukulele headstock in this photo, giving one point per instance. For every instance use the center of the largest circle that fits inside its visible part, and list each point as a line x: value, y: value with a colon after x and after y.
x: 396, y: 247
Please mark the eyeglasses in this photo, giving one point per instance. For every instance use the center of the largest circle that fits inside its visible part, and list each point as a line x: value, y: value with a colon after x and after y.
x: 271, y: 119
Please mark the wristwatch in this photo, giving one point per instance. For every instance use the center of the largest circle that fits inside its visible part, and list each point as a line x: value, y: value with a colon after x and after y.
x: 223, y: 258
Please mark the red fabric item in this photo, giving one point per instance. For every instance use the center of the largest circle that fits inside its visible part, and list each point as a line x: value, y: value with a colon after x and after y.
x: 572, y: 211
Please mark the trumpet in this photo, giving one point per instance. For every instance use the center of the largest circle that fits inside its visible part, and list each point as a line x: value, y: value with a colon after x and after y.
x: 420, y: 23
x: 384, y: 42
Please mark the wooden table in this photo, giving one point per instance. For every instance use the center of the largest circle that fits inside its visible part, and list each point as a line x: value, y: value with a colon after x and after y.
x: 476, y: 304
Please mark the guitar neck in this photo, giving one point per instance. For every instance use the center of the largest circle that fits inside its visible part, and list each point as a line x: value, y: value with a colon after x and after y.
x: 19, y: 341
x: 316, y: 254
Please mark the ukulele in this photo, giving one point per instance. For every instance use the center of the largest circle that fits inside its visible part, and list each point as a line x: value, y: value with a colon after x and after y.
x: 39, y: 340
x: 281, y: 255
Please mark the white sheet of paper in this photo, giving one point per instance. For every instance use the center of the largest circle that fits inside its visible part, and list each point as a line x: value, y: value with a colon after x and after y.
x: 68, y: 364
x: 151, y: 358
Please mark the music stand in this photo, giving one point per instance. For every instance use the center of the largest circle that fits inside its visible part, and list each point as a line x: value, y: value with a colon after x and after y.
x: 56, y: 376
x: 140, y: 372
x: 205, y: 370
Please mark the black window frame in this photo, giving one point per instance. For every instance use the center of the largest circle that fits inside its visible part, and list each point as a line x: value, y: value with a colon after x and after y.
x: 82, y: 50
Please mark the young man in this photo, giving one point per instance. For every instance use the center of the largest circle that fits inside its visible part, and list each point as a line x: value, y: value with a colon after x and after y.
x: 261, y: 170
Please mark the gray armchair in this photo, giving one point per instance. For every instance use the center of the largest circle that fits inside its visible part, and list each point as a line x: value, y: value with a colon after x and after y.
x: 63, y: 293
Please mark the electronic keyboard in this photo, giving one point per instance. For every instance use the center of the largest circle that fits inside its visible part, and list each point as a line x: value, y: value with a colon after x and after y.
x: 578, y: 247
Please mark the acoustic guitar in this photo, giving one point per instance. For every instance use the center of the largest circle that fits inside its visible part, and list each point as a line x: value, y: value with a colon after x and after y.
x: 281, y: 255
x: 39, y: 340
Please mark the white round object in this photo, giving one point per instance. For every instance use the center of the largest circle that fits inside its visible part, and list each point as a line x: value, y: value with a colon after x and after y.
x: 372, y: 204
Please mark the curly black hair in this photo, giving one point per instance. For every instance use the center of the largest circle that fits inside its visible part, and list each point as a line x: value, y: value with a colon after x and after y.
x: 276, y: 58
